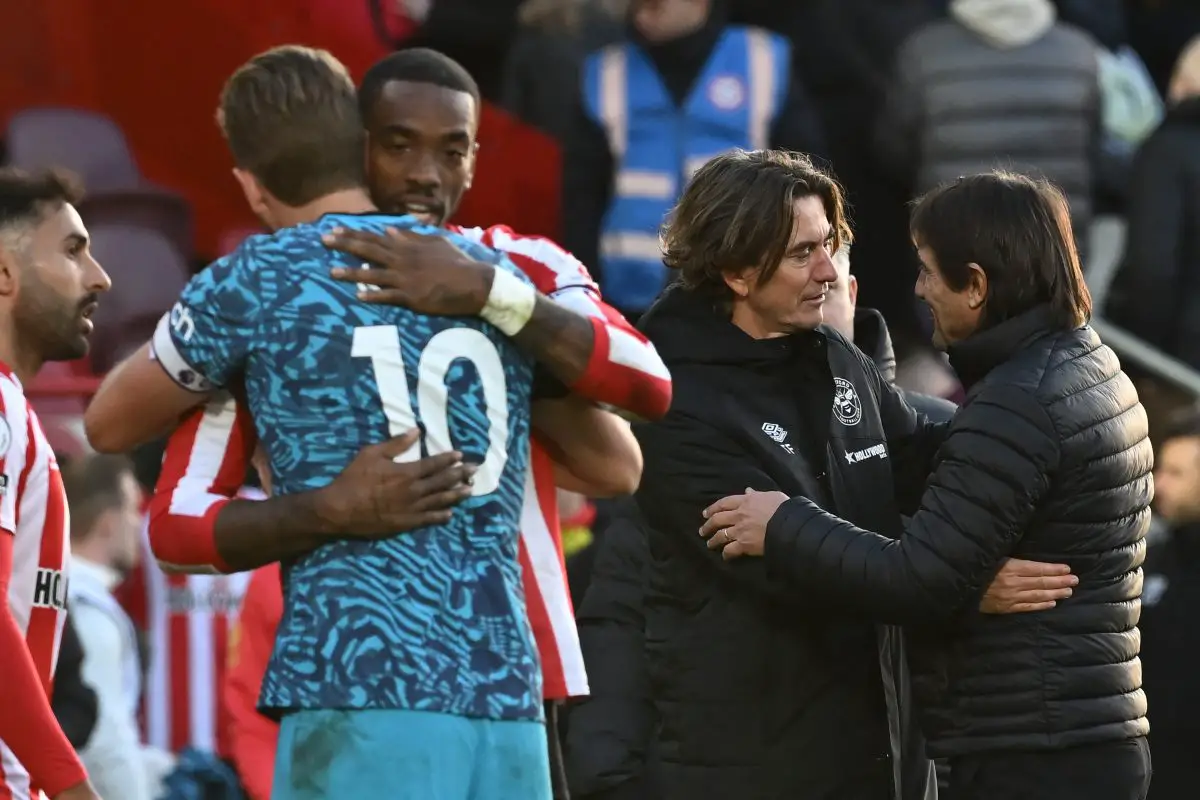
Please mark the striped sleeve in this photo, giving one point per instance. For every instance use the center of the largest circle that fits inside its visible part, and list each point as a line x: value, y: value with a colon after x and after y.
x: 14, y: 455
x: 204, y: 467
x: 625, y: 371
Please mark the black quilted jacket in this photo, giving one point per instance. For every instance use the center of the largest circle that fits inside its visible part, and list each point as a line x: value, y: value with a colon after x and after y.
x: 1048, y: 459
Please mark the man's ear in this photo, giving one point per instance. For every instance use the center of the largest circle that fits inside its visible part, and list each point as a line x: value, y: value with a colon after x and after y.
x: 741, y: 282
x: 977, y: 286
x: 10, y: 270
x: 253, y: 191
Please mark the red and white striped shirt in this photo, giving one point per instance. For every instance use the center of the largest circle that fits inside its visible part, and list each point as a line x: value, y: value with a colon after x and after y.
x: 215, y: 445
x: 33, y: 508
x: 189, y: 617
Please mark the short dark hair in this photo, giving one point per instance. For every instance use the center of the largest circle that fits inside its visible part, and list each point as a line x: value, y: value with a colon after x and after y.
x: 415, y: 65
x: 93, y: 486
x: 1183, y: 424
x: 25, y: 196
x: 290, y: 118
x: 737, y: 212
x: 1018, y: 230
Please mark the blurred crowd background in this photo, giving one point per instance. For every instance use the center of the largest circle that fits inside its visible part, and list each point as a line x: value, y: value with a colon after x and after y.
x: 1100, y: 96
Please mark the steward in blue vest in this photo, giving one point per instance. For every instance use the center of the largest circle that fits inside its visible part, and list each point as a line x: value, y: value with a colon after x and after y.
x: 651, y: 114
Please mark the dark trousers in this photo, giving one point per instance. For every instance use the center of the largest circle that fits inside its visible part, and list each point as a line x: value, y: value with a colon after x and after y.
x: 558, y: 767
x: 1110, y: 771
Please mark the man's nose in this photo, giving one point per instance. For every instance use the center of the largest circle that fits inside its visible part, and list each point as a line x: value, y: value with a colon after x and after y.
x: 96, y: 279
x: 423, y: 171
x: 825, y: 270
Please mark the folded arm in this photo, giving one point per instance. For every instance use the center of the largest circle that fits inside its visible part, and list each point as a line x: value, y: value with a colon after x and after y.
x: 994, y: 468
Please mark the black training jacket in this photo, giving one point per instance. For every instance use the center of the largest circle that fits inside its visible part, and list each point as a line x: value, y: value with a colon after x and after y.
x: 760, y: 693
x: 1048, y: 459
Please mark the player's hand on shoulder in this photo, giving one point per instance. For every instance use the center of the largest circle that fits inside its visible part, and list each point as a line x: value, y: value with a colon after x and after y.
x: 376, y: 497
x: 80, y: 791
x: 424, y: 272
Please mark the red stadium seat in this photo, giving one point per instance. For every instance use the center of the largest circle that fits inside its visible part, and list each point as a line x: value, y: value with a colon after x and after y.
x: 85, y: 142
x: 163, y: 211
x: 148, y: 274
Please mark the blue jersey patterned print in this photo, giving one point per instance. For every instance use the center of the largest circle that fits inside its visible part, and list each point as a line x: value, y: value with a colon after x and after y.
x: 430, y: 620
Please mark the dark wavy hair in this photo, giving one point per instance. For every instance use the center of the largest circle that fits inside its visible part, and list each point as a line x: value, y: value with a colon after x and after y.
x: 1018, y: 230
x: 737, y: 212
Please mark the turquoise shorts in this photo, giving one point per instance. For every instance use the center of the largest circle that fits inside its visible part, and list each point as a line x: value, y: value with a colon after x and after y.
x: 409, y: 755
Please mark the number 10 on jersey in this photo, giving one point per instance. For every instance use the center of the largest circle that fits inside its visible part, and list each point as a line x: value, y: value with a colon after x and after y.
x: 381, y: 344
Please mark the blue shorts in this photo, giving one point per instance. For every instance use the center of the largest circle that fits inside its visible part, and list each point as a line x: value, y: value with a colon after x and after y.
x: 409, y: 755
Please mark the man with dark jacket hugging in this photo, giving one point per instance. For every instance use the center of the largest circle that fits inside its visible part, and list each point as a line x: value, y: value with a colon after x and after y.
x: 761, y: 693
x: 1048, y: 458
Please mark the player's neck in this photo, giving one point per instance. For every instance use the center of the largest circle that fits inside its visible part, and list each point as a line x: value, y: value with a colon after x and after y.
x: 346, y: 201
x: 25, y: 362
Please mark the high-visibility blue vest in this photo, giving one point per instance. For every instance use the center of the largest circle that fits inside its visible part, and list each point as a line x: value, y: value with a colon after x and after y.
x: 657, y: 145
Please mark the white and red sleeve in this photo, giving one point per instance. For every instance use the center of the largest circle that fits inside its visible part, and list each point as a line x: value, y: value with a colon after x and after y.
x: 204, y: 467
x: 625, y: 371
x: 15, y: 444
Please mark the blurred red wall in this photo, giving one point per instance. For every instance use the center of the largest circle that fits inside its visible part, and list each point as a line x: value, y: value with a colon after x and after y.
x: 157, y: 69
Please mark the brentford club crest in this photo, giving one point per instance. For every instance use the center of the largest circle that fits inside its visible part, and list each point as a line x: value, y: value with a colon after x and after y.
x: 846, y: 405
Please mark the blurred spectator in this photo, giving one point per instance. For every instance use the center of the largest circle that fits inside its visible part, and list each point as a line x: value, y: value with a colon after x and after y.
x: 74, y: 702
x: 848, y: 67
x: 1156, y: 293
x: 1170, y: 601
x: 1159, y: 30
x: 1000, y: 83
x: 475, y: 33
x: 541, y: 75
x: 105, y: 522
x: 1103, y: 19
x: 682, y: 88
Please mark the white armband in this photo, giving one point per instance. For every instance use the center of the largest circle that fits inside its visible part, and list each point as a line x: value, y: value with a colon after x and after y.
x: 510, y: 303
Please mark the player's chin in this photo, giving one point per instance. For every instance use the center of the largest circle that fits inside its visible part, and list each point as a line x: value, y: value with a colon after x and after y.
x: 807, y: 317
x: 70, y: 348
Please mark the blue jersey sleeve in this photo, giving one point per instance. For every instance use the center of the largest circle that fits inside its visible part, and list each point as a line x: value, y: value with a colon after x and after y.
x: 205, y: 339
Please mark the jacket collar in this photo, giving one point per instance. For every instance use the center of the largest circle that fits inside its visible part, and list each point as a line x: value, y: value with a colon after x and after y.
x: 977, y: 355
x: 687, y: 327
x: 93, y: 573
x: 872, y: 337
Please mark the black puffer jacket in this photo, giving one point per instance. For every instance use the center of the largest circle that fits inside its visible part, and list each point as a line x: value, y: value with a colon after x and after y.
x: 1048, y: 459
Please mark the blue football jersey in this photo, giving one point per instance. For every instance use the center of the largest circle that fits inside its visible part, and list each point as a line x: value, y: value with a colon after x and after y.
x: 429, y: 620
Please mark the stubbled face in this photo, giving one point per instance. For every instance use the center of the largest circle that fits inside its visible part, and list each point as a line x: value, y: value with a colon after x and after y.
x: 793, y: 297
x: 956, y: 314
x: 59, y: 285
x: 1177, y: 480
x: 421, y: 149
